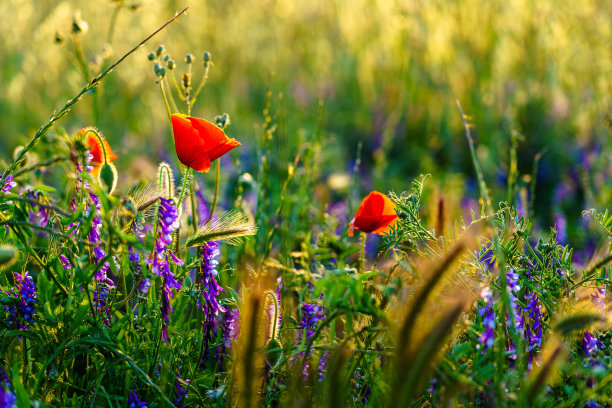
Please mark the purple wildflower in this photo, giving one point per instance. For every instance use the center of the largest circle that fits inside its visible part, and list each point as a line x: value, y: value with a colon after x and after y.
x: 65, y: 262
x: 487, y: 338
x: 591, y: 344
x: 322, y: 367
x: 209, y: 291
x: 312, y: 314
x: 21, y: 312
x: 361, y: 389
x: 180, y: 392
x: 6, y: 183
x: 7, y: 398
x: 167, y: 223
x: 533, y: 332
x: 134, y: 258
x: 229, y: 333
x: 134, y: 402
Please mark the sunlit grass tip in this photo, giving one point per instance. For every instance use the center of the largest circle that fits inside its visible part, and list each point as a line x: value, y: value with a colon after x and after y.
x: 230, y: 226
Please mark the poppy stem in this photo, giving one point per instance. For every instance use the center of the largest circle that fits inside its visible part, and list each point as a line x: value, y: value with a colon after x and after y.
x: 184, y: 186
x: 362, y: 253
x: 216, y: 194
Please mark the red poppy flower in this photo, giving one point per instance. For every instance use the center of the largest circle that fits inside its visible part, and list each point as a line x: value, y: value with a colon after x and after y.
x: 92, y: 142
x: 376, y: 214
x: 199, y: 142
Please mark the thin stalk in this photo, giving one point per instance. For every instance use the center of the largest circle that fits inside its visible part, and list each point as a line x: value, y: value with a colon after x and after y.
x: 362, y: 253
x: 216, y: 193
x: 45, y: 163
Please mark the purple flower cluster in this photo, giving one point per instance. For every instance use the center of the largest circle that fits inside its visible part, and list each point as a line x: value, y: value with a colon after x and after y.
x: 487, y: 338
x: 134, y: 402
x: 591, y: 344
x: 21, y: 312
x: 39, y: 215
x: 7, y: 398
x: 6, y: 183
x: 209, y: 291
x: 312, y: 314
x: 229, y: 333
x: 180, y: 392
x: 134, y: 258
x: 167, y: 223
x: 361, y: 389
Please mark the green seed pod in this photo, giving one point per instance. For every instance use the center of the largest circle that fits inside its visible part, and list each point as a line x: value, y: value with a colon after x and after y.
x: 108, y: 177
x: 8, y: 256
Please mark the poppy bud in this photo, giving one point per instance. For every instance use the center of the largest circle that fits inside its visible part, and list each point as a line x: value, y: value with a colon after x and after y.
x: 79, y: 25
x: 162, y: 72
x: 171, y: 65
x: 159, y: 51
x: 274, y: 352
x: 189, y: 58
x: 8, y: 256
x: 206, y: 57
x: 223, y: 120
x: 151, y: 56
x: 108, y: 177
x: 166, y: 58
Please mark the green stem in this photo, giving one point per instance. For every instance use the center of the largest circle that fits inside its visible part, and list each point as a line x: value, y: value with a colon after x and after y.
x: 362, y: 253
x: 216, y: 193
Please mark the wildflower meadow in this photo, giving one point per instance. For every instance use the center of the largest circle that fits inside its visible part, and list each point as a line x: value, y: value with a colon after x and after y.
x: 382, y: 203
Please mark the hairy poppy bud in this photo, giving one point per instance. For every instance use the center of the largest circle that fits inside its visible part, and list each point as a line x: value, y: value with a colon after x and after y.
x: 160, y: 50
x: 189, y: 58
x: 171, y: 65
x: 108, y: 177
x: 151, y: 56
x: 206, y: 57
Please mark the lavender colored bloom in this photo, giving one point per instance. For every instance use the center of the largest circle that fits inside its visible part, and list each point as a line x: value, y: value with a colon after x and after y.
x: 180, y: 392
x: 512, y: 279
x: 203, y: 211
x: 167, y: 223
x: 361, y: 389
x: 7, y: 398
x: 229, y: 333
x: 209, y: 291
x: 561, y: 226
x: 591, y: 344
x: 312, y: 314
x: 322, y: 367
x: 134, y: 402
x: 533, y: 332
x: 134, y: 258
x: 6, y: 183
x: 65, y: 262
x: 487, y: 338
x: 21, y: 312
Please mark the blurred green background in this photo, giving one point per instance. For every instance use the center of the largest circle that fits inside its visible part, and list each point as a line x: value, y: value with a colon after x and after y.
x: 386, y: 73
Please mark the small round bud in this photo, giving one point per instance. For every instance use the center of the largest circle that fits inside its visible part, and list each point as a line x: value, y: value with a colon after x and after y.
x: 159, y: 50
x: 151, y: 56
x: 186, y: 81
x: 206, y: 56
x: 171, y: 65
x: 107, y: 50
x: 59, y: 37
x: 223, y: 120
x: 162, y: 72
x: 189, y: 58
x: 157, y: 68
x: 166, y: 57
x: 79, y: 26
